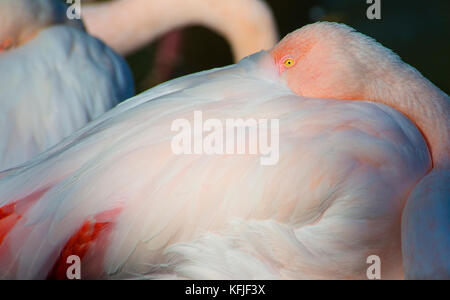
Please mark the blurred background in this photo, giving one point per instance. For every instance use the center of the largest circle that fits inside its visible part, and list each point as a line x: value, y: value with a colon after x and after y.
x: 417, y: 30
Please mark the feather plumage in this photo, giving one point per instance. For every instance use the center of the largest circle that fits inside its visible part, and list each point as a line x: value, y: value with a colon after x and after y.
x: 345, y: 170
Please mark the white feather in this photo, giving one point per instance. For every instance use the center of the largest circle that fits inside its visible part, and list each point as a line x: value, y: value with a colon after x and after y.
x: 52, y: 86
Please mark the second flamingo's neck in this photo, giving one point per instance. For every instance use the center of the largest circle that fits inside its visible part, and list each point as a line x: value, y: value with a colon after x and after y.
x: 126, y: 25
x: 421, y: 101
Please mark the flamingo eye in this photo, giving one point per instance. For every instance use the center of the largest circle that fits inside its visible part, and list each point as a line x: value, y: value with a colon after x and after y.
x: 288, y: 62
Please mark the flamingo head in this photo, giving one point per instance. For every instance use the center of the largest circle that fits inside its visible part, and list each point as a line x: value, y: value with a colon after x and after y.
x: 330, y: 60
x: 21, y: 20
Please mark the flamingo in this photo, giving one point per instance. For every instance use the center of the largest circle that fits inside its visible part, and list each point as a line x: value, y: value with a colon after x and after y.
x: 54, y: 78
x: 248, y: 25
x: 360, y: 134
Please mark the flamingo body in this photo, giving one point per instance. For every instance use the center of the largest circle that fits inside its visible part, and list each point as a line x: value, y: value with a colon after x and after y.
x: 117, y: 190
x: 52, y: 85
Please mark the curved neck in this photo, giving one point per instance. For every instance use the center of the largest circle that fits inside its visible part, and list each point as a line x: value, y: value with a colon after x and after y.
x: 426, y: 105
x: 126, y: 25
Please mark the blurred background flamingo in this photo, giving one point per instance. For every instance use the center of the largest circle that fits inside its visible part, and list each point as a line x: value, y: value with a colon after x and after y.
x: 116, y: 195
x: 247, y: 25
x: 54, y: 78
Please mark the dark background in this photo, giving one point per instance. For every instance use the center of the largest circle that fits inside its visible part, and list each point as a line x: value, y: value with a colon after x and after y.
x: 417, y: 30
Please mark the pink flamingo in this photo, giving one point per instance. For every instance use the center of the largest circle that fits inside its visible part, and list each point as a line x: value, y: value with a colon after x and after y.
x: 358, y: 131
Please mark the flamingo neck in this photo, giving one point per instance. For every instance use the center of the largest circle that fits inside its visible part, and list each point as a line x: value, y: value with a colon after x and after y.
x: 126, y: 25
x: 422, y: 102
